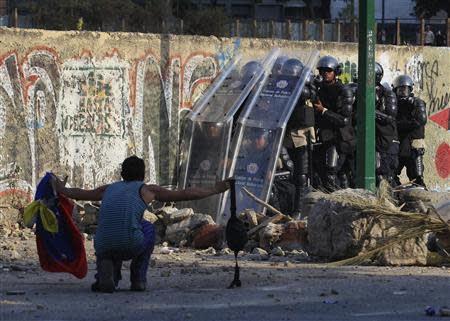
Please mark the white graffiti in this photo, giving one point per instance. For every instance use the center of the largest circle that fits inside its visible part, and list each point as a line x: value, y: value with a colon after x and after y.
x: 92, y: 117
x: 88, y: 101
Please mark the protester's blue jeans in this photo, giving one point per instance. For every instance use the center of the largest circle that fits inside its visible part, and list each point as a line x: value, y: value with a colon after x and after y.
x: 140, y: 257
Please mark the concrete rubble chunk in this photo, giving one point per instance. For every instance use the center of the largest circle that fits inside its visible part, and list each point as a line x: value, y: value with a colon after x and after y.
x: 251, y: 244
x: 225, y: 251
x: 209, y: 235
x: 210, y: 251
x: 260, y: 251
x: 149, y: 216
x: 339, y: 231
x: 90, y: 214
x: 294, y: 236
x: 177, y: 216
x: 182, y: 230
x: 270, y: 234
x: 277, y: 251
x: 419, y: 200
x: 251, y: 217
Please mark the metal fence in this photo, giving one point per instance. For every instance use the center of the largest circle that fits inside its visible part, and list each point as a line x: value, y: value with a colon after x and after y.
x: 394, y: 31
x: 389, y: 31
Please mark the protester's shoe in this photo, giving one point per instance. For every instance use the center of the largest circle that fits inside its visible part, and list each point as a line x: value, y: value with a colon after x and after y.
x: 96, y: 288
x: 138, y: 286
x: 105, y: 276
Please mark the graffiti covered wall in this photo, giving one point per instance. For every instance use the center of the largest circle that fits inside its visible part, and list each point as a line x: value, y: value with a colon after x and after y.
x: 79, y: 103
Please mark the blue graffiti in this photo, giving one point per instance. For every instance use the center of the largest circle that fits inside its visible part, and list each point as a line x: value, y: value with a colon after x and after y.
x: 225, y: 54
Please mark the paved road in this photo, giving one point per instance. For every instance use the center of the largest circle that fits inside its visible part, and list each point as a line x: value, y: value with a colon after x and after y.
x: 190, y: 287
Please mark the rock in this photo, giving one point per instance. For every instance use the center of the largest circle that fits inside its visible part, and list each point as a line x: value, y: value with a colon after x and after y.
x: 149, y: 216
x: 164, y: 210
x: 416, y: 199
x: 181, y: 230
x: 257, y: 257
x: 178, y: 216
x: 308, y: 203
x: 338, y: 231
x: 300, y: 255
x: 225, y: 251
x: 277, y: 251
x: 90, y: 214
x: 259, y: 251
x: 165, y: 250
x: 210, y: 251
x: 251, y: 244
x: 160, y: 229
x: 294, y: 236
x: 209, y: 235
x: 251, y: 217
x: 270, y: 234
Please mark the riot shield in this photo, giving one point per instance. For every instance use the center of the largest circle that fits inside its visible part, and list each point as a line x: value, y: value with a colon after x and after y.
x: 207, y: 137
x: 259, y: 137
x: 188, y: 125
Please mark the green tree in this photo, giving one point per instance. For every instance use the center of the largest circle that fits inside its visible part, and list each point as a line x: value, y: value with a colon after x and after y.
x: 428, y: 8
x: 208, y: 21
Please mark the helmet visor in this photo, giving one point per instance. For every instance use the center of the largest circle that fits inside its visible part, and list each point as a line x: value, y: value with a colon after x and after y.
x: 403, y: 91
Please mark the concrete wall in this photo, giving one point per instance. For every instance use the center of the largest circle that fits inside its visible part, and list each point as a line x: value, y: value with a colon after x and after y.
x: 79, y: 103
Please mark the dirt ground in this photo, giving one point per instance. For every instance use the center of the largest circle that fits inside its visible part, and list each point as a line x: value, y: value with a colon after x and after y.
x: 191, y: 285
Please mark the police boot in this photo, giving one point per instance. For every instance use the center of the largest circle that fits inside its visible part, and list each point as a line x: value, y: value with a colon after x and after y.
x: 419, y: 181
x: 378, y: 179
x: 331, y: 183
x: 300, y: 193
x: 343, y: 181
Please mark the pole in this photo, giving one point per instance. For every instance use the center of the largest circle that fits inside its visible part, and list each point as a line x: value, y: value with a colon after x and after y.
x: 365, y: 146
x: 382, y: 14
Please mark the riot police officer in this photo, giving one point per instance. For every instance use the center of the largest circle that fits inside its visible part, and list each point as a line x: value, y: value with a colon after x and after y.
x: 333, y: 113
x: 411, y: 120
x: 386, y: 141
x: 300, y: 134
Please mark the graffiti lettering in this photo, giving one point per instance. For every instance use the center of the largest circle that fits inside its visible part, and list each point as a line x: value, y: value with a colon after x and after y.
x: 426, y: 74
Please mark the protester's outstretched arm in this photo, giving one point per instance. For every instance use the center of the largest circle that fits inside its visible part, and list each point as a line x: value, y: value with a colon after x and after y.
x: 79, y: 193
x: 157, y: 193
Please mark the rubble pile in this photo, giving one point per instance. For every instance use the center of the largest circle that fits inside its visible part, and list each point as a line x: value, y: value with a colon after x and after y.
x: 330, y: 231
x: 183, y: 228
x: 338, y: 230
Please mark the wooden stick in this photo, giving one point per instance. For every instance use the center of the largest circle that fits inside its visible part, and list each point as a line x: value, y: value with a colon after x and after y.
x: 435, y: 212
x: 261, y: 202
x: 278, y: 217
x: 273, y: 219
x: 399, y: 187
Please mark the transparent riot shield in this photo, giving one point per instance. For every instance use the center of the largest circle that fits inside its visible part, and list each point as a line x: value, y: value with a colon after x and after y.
x: 207, y: 136
x: 259, y: 137
x: 188, y: 124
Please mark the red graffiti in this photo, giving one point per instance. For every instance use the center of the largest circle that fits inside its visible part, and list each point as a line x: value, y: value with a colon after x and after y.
x: 16, y: 193
x: 442, y: 160
x: 191, y: 86
x: 441, y: 118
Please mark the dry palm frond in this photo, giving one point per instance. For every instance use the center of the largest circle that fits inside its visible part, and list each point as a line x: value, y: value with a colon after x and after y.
x: 408, y: 225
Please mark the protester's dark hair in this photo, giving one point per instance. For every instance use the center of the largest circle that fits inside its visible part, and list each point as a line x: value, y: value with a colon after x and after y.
x: 133, y: 169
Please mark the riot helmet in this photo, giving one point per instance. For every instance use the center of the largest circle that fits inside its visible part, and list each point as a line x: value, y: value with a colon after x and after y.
x: 250, y: 69
x: 329, y: 63
x: 292, y: 67
x: 278, y: 65
x: 379, y: 72
x: 403, y: 86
